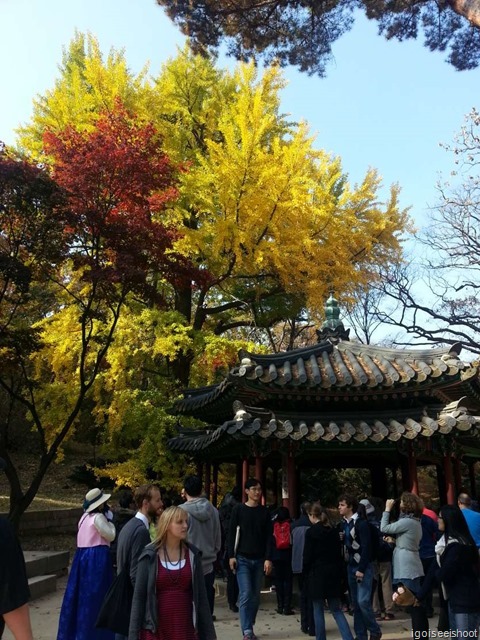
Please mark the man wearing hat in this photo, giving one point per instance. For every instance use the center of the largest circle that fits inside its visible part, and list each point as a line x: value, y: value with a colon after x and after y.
x: 14, y: 591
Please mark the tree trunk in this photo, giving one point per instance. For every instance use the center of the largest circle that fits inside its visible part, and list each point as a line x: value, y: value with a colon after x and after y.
x: 181, y: 367
x: 182, y: 364
x: 183, y: 303
x: 19, y: 501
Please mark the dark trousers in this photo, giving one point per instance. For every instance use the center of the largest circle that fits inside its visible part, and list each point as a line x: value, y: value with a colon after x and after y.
x: 232, y: 586
x: 428, y: 600
x: 283, y: 583
x: 307, y: 621
x: 419, y: 618
x: 209, y: 579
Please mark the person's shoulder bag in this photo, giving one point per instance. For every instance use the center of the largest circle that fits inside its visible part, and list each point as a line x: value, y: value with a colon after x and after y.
x: 114, y: 613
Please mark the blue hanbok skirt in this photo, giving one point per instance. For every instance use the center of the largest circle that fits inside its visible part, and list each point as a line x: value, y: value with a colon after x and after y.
x: 90, y: 577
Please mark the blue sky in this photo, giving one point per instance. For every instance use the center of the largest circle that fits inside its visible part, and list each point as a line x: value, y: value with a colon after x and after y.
x: 384, y: 104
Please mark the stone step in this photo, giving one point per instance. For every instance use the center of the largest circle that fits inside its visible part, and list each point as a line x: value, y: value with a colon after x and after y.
x: 43, y: 569
x: 41, y: 585
x: 40, y: 563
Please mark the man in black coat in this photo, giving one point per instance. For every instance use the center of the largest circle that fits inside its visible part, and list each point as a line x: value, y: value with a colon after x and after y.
x: 14, y: 591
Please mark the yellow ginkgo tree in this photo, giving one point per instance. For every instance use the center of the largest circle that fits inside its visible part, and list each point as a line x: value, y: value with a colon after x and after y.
x: 268, y: 219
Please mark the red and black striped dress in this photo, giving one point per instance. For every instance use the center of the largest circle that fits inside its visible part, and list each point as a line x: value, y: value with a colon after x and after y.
x: 174, y: 604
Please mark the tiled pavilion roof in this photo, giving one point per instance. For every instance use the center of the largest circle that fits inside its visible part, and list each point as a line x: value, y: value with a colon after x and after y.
x: 345, y: 391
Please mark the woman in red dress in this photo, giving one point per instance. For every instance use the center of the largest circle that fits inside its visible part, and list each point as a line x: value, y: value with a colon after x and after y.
x: 170, y: 600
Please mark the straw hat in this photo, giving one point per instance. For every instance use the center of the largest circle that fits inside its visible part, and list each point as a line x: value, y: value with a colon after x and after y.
x: 94, y: 498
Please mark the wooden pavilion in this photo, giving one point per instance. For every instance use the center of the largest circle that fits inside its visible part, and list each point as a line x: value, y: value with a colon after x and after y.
x: 340, y: 404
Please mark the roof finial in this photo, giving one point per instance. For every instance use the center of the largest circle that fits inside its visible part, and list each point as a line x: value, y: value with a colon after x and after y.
x: 332, y: 328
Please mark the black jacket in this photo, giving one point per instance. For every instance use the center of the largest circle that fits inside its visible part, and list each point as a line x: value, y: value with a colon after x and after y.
x: 459, y: 575
x: 14, y: 591
x: 323, y: 562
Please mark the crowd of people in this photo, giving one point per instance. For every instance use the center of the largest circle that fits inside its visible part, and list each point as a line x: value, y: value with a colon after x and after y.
x: 157, y: 564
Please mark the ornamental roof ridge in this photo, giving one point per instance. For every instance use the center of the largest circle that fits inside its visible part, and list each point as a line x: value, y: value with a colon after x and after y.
x: 286, y: 356
x: 417, y: 354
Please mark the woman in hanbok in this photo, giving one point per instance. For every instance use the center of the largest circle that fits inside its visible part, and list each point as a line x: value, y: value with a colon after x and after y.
x: 170, y: 598
x: 91, y: 573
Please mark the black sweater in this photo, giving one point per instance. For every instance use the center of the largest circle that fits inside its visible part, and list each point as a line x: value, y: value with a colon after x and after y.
x: 323, y: 562
x: 256, y: 532
x: 459, y: 574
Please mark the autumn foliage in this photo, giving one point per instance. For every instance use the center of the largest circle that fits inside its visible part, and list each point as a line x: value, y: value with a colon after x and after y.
x: 118, y: 182
x: 197, y: 217
x: 114, y: 183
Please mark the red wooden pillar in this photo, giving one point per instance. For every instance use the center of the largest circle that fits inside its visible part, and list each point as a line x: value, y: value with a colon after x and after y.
x: 412, y: 471
x: 215, y: 484
x: 259, y: 475
x: 200, y: 470
x: 245, y: 474
x: 457, y: 474
x: 208, y: 479
x: 447, y: 470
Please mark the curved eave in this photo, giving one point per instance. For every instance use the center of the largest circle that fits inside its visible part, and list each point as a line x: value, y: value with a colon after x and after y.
x: 374, y: 427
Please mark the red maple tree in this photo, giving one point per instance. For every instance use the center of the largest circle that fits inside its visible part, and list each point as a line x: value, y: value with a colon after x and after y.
x: 118, y: 182
x: 115, y: 183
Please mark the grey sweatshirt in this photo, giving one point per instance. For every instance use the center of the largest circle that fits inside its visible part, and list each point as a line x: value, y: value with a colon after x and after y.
x: 204, y: 530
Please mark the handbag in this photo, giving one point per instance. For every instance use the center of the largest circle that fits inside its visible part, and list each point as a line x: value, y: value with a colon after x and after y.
x: 403, y: 597
x: 114, y: 613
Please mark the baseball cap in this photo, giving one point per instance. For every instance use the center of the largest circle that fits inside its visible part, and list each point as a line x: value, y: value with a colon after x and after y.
x: 369, y: 508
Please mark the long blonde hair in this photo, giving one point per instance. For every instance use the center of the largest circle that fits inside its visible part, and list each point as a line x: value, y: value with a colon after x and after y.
x: 172, y: 514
